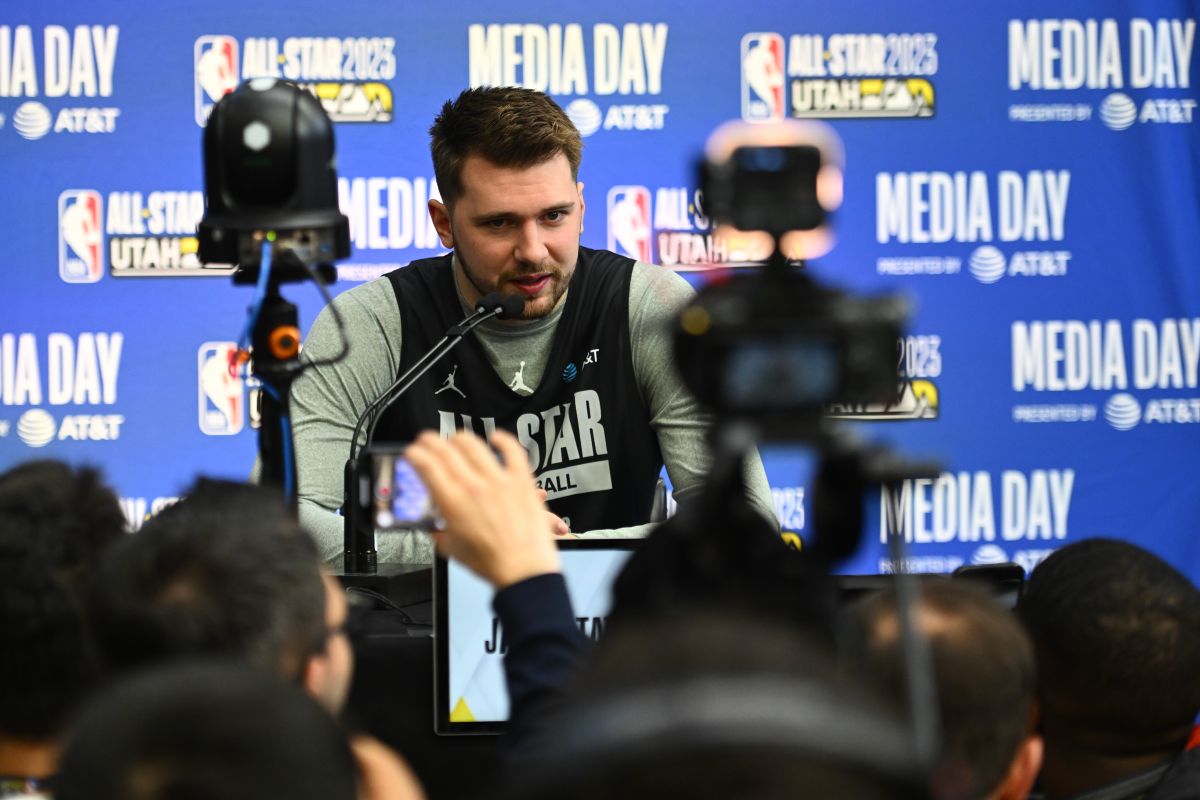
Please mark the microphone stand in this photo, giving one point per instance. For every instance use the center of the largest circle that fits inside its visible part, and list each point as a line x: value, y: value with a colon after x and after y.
x: 360, y: 556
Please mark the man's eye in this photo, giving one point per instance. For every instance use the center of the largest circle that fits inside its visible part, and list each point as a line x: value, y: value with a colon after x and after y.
x: 496, y: 224
x: 555, y: 216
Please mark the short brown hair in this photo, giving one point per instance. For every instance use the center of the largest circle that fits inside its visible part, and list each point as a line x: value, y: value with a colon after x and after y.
x: 984, y: 666
x: 508, y: 126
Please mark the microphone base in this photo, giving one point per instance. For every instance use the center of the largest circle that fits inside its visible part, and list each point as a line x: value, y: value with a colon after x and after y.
x: 403, y: 584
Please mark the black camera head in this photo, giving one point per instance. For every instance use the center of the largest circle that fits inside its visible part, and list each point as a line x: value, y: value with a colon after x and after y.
x: 270, y: 176
x: 774, y: 347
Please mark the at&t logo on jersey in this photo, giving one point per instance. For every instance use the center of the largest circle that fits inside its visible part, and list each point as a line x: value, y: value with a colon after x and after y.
x: 348, y: 75
x: 838, y: 76
x: 80, y: 236
x: 762, y: 77
x: 629, y: 231
x: 622, y: 62
x: 1086, y: 61
x: 940, y: 208
x: 61, y: 62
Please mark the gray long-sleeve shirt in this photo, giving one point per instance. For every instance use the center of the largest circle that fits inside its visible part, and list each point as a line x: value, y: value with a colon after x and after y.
x: 327, y: 400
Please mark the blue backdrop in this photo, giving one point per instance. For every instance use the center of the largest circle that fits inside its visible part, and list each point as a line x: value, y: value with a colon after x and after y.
x: 1025, y: 172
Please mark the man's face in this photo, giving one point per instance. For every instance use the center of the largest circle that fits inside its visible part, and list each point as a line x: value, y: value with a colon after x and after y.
x: 515, y: 231
x: 329, y: 678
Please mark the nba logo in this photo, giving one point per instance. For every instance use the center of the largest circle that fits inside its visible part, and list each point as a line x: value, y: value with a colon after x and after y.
x: 216, y: 72
x: 80, y: 236
x: 222, y: 394
x: 629, y: 232
x: 762, y: 77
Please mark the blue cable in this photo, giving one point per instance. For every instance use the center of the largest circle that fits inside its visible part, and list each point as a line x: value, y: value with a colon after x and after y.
x: 289, y: 480
x: 264, y: 272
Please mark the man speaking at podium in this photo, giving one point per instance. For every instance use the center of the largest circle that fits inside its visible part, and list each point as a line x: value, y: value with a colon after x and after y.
x: 583, y: 377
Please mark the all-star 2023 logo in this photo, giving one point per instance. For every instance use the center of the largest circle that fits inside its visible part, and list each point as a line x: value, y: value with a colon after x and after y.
x: 350, y: 75
x: 841, y: 75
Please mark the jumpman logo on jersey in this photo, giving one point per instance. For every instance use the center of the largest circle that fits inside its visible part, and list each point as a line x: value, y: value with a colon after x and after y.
x: 517, y: 384
x: 449, y: 384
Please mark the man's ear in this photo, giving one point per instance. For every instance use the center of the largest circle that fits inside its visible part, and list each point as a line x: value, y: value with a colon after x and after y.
x: 582, y: 205
x: 441, y: 223
x: 316, y: 675
x: 1023, y: 770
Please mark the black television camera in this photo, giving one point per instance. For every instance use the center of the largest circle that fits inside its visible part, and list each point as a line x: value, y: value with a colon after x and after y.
x: 775, y: 348
x: 769, y: 351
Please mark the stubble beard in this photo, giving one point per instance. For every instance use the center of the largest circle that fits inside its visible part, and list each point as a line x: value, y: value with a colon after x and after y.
x: 557, y: 286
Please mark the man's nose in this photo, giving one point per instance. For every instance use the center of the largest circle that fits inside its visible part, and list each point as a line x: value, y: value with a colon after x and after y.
x: 530, y: 247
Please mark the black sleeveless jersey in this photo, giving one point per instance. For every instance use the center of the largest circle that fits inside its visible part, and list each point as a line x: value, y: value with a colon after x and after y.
x: 586, y: 427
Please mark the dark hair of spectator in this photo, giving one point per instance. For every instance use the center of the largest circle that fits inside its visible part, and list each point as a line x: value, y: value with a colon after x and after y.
x: 507, y: 126
x: 1116, y: 631
x: 712, y: 706
x: 54, y: 521
x: 206, y: 731
x: 69, y: 513
x: 46, y: 668
x: 226, y: 571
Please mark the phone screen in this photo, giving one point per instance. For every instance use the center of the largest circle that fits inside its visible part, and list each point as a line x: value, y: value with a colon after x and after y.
x: 398, y: 496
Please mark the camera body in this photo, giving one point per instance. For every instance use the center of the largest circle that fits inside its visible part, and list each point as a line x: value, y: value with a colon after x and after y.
x: 777, y: 349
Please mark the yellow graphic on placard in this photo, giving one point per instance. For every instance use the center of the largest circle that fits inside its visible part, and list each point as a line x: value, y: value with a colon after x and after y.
x: 922, y: 89
x: 353, y: 102
x: 793, y: 540
x: 926, y: 393
x: 834, y: 98
x: 916, y: 399
x: 871, y: 86
x: 462, y: 712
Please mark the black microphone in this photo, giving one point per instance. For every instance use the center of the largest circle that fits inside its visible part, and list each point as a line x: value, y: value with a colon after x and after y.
x: 500, y: 306
x: 362, y: 559
x: 510, y: 305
